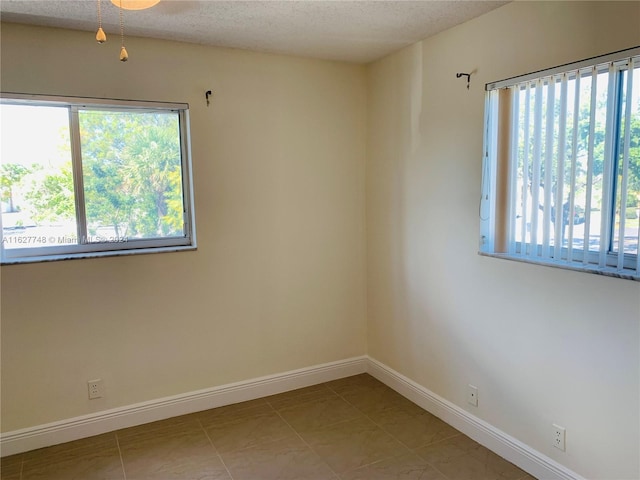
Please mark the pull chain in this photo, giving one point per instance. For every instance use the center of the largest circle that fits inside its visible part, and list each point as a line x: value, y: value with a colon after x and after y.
x: 100, y: 35
x: 124, y: 56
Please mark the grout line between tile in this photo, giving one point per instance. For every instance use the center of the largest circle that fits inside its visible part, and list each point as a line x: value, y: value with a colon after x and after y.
x: 214, y: 449
x: 376, y: 424
x: 413, y: 450
x: 326, y: 384
x: 396, y: 439
x: 340, y: 396
x: 436, y: 469
x: 327, y: 424
x: 338, y: 423
x: 419, y: 446
x: 308, y: 446
x: 250, y: 446
x: 124, y: 472
x: 442, y: 440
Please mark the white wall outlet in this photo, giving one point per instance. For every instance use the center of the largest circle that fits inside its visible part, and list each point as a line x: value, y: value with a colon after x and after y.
x: 558, y: 437
x: 96, y: 388
x: 472, y: 395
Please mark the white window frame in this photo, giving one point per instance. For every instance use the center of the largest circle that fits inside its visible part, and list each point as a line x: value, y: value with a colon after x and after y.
x: 499, y: 197
x: 110, y: 247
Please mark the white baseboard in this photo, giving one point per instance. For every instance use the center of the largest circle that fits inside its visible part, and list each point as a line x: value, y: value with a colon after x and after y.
x: 530, y: 460
x: 525, y: 457
x: 26, y: 439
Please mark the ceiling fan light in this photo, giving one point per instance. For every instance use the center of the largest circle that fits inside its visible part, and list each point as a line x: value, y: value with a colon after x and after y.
x: 135, y: 4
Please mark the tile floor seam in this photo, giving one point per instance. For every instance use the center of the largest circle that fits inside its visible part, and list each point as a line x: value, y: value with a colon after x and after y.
x: 309, y: 446
x: 383, y: 459
x: 360, y: 466
x: 21, y: 467
x: 397, y: 439
x: 367, y: 416
x: 369, y: 464
x: 124, y: 472
x: 327, y: 425
x: 412, y: 449
x: 446, y: 477
x: 388, y: 432
x: 350, y: 403
x: 242, y: 449
x: 431, y: 464
x: 332, y: 389
x: 200, y: 414
x: 215, y: 449
x: 339, y: 422
x: 252, y: 446
x: 467, y: 454
x: 439, y: 441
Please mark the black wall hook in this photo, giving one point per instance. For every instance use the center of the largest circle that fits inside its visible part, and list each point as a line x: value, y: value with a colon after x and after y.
x: 468, y: 75
x: 206, y: 95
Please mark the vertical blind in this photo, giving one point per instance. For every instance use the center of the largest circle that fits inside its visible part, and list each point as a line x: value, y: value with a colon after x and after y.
x: 561, y: 182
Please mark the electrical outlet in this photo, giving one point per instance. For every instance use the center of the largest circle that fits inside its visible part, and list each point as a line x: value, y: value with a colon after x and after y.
x: 472, y: 395
x: 96, y: 388
x: 558, y: 437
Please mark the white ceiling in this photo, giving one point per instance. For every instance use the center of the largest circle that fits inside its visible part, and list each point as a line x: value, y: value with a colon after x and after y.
x: 354, y: 31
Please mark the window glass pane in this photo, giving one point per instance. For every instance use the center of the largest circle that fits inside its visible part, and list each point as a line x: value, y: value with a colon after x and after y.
x: 571, y: 214
x: 525, y: 210
x: 38, y: 207
x: 630, y: 207
x: 581, y: 160
x: 530, y: 169
x: 586, y: 185
x: 132, y: 173
x: 594, y: 209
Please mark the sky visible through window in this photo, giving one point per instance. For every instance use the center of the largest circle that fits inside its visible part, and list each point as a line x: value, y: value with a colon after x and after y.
x: 35, y: 143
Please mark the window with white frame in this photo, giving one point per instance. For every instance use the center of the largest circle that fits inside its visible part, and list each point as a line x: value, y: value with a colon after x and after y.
x: 561, y: 174
x: 93, y: 177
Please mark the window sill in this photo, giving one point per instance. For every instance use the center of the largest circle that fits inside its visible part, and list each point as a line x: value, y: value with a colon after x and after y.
x: 111, y: 253
x: 606, y: 271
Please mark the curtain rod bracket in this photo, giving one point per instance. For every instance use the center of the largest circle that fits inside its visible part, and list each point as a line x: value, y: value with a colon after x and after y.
x: 468, y: 75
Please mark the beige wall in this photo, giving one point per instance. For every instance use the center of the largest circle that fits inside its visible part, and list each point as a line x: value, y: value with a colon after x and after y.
x: 280, y: 279
x: 542, y: 345
x: 277, y: 282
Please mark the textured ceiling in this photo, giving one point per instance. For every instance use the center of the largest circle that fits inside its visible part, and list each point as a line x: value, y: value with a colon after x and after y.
x: 354, y: 31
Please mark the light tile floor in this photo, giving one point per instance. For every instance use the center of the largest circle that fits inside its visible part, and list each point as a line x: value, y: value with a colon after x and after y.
x: 355, y: 428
